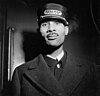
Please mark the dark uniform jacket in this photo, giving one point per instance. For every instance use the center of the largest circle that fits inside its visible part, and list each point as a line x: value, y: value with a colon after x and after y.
x: 35, y: 78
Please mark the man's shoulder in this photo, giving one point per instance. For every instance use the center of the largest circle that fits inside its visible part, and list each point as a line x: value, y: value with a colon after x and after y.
x: 82, y: 61
x: 26, y: 65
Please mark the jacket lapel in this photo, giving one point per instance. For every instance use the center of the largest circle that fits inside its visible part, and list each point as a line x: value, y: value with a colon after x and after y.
x: 73, y: 72
x: 39, y: 73
x: 43, y: 78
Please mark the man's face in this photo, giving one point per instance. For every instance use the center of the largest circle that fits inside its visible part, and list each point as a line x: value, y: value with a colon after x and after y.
x: 53, y: 32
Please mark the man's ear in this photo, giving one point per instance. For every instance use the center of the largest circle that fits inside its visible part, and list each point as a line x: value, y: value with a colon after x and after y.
x: 66, y: 30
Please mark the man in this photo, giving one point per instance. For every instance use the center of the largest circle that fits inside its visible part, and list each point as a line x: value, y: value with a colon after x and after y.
x: 55, y: 72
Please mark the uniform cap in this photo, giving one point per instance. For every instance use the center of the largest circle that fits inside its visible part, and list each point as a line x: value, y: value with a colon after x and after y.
x: 52, y: 11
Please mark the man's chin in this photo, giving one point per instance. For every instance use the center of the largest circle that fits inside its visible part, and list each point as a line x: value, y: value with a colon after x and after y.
x: 52, y: 44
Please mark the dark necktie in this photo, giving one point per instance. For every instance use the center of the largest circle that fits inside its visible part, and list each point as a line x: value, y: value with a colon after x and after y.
x: 55, y: 66
x: 58, y: 70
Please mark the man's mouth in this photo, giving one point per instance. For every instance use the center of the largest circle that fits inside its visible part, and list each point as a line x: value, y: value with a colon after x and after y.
x: 52, y: 36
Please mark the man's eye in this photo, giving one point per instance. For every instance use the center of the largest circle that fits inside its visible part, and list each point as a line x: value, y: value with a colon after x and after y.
x: 57, y: 23
x: 44, y: 24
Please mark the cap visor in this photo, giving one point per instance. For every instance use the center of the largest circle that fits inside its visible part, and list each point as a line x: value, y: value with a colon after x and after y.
x: 53, y: 18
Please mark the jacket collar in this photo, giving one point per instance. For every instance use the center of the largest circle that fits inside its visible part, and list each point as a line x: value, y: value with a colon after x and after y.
x: 51, y: 62
x: 34, y: 63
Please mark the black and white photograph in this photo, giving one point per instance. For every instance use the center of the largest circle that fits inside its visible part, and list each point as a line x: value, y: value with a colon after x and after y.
x: 49, y: 48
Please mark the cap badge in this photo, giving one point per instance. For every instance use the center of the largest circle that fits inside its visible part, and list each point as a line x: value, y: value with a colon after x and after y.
x: 52, y: 12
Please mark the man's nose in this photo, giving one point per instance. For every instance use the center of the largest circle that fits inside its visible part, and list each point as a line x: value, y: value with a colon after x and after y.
x: 51, y: 28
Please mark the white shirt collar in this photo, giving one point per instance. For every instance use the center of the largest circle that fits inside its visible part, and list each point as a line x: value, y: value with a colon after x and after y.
x: 58, y: 57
